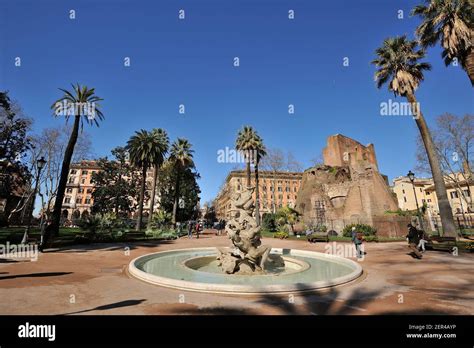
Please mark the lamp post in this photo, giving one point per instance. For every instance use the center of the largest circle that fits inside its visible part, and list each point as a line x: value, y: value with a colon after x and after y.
x: 40, y: 164
x: 411, y: 176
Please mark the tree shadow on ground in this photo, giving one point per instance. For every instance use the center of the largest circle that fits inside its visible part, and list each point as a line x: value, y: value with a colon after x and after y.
x: 35, y: 275
x: 120, y: 304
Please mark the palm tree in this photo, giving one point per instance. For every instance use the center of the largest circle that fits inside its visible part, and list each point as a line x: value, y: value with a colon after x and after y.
x: 449, y: 22
x: 181, y: 157
x: 245, y: 143
x: 82, y: 104
x: 145, y: 150
x: 261, y: 152
x: 398, y: 62
x: 162, y: 141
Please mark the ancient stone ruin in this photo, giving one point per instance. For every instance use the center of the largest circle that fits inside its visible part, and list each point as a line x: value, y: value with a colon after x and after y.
x: 249, y: 256
x: 347, y: 188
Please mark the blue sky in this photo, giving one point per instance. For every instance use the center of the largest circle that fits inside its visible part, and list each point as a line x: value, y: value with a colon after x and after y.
x: 190, y: 62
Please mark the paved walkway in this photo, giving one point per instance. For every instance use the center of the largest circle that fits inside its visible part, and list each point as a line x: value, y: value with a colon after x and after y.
x: 93, y: 280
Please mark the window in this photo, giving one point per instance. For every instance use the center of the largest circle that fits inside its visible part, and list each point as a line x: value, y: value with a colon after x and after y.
x: 454, y: 194
x: 287, y: 189
x: 69, y: 190
x: 288, y: 197
x: 403, y: 191
x: 83, y: 181
x: 421, y: 190
x: 467, y: 193
x: 295, y: 189
x: 71, y: 180
x: 279, y: 189
x: 280, y: 196
x: 405, y: 199
x: 73, y: 171
x: 84, y: 172
x: 78, y: 200
x: 429, y: 200
x: 238, y: 187
x: 67, y: 200
x: 296, y: 197
x: 80, y: 190
x: 88, y: 200
x: 264, y: 188
x: 89, y: 190
x: 428, y: 193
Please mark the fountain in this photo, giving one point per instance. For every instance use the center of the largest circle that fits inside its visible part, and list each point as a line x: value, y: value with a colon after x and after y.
x: 248, y: 267
x: 249, y: 255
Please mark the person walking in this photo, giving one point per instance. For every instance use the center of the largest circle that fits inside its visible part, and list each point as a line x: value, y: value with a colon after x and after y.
x: 413, y: 240
x: 357, y: 239
x: 190, y: 229
x: 423, y: 240
x: 197, y: 230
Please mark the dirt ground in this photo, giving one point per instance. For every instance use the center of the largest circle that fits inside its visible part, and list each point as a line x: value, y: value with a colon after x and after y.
x: 93, y: 280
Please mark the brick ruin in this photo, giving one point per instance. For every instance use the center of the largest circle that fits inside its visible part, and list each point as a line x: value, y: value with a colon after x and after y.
x: 348, y: 188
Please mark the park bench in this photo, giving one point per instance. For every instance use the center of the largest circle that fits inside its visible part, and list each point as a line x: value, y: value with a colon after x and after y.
x: 448, y: 243
x: 318, y: 237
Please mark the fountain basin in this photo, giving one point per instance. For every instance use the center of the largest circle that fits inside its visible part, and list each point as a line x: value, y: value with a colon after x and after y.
x: 196, y: 269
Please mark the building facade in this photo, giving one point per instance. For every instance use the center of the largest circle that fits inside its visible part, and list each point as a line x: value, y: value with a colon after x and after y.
x: 459, y: 192
x: 78, y: 200
x: 276, y: 190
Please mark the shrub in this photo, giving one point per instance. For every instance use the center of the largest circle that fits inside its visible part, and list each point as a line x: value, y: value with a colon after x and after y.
x: 160, y: 219
x: 268, y: 222
x: 281, y: 235
x: 162, y: 234
x: 366, y: 230
x: 90, y: 224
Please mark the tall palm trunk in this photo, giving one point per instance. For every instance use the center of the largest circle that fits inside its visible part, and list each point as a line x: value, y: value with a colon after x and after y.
x: 257, y: 196
x: 176, y: 198
x: 152, y: 198
x: 142, y: 198
x: 469, y: 64
x: 248, y: 169
x: 445, y: 211
x: 58, y: 203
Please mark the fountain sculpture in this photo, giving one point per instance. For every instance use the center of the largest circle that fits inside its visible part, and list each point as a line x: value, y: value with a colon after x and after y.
x: 249, y: 256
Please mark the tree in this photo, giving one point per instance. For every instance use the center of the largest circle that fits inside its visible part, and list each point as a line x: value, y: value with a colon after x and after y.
x: 84, y: 105
x: 453, y: 137
x: 188, y: 191
x: 260, y: 151
x: 398, y: 62
x: 15, y: 142
x: 162, y: 142
x: 145, y: 151
x: 115, y: 185
x: 50, y: 144
x: 181, y: 157
x: 245, y: 143
x: 449, y: 22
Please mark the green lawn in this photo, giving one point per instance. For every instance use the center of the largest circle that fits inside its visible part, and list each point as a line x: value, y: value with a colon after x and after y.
x: 15, y: 234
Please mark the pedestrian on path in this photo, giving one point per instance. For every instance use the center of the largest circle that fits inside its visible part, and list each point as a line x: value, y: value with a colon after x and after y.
x: 413, y: 240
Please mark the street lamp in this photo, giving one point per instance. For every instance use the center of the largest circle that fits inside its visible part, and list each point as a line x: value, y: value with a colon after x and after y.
x: 40, y: 164
x: 411, y: 176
